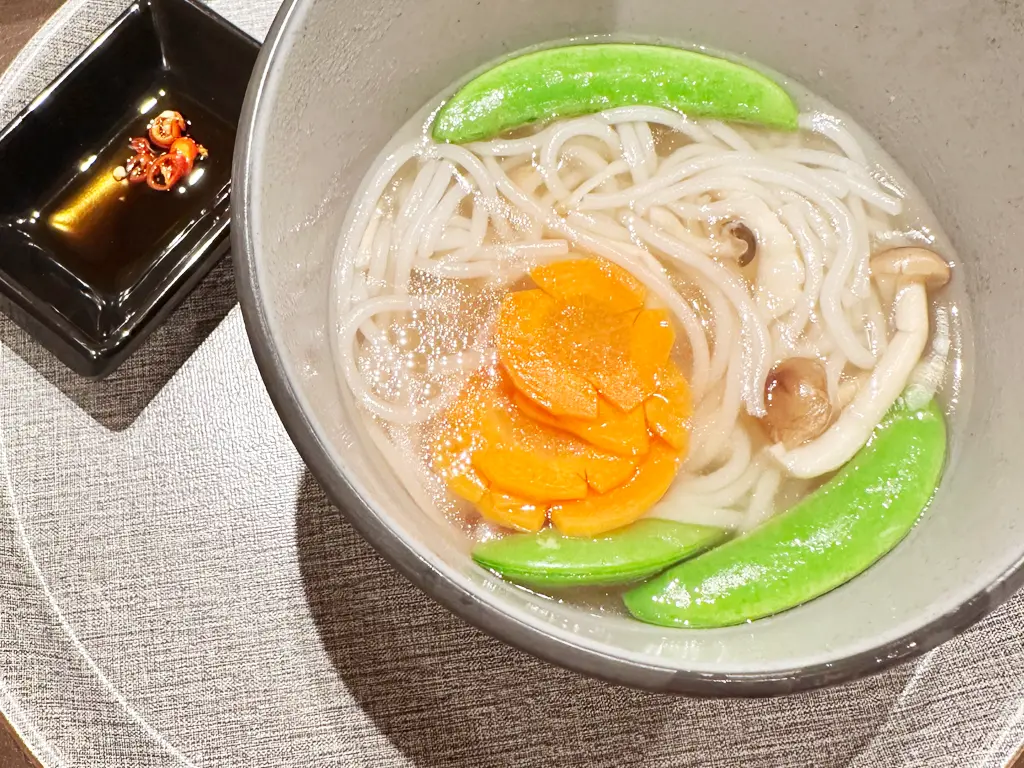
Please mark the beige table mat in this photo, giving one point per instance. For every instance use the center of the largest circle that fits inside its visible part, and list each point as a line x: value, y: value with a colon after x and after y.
x: 176, y: 591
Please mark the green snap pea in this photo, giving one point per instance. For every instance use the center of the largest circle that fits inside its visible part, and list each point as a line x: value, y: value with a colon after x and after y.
x: 584, y: 79
x: 639, y: 550
x: 824, y: 541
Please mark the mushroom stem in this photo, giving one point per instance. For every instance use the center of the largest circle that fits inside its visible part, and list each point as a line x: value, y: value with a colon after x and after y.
x: 844, y: 438
x: 929, y: 373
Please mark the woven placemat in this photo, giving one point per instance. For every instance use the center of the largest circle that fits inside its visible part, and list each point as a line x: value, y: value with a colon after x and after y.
x: 175, y: 590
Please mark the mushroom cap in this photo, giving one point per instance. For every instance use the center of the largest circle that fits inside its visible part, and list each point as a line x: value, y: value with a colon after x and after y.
x: 797, y: 402
x: 746, y: 236
x: 913, y: 264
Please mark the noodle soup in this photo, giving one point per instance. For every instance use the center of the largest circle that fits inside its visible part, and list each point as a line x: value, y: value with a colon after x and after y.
x: 636, y: 353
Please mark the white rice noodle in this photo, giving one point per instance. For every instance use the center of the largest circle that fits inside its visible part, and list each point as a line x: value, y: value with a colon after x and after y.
x: 341, y: 278
x: 681, y: 510
x: 716, y: 508
x: 345, y: 359
x: 736, y: 492
x: 590, y: 159
x: 487, y: 192
x: 560, y: 133
x: 860, y: 286
x: 646, y: 138
x: 599, y: 179
x: 762, y: 500
x: 509, y: 147
x: 508, y: 262
x: 657, y: 116
x: 491, y: 210
x: 379, y: 258
x: 715, y: 420
x: 728, y: 136
x: 633, y: 152
x: 756, y: 342
x: 722, y: 314
x: 411, y: 227
x: 685, y: 153
x: 737, y: 463
x: 850, y: 260
x: 435, y: 225
x: 600, y: 224
x: 673, y: 222
x: 811, y: 248
x: 724, y: 326
x: 832, y: 129
x: 409, y: 201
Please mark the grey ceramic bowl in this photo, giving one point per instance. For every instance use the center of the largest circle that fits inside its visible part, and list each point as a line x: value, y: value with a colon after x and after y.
x: 336, y: 79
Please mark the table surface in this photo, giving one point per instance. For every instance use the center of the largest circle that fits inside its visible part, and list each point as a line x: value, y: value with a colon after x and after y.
x: 19, y: 19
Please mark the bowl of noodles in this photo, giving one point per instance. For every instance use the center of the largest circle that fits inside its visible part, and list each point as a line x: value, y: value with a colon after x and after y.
x: 656, y: 340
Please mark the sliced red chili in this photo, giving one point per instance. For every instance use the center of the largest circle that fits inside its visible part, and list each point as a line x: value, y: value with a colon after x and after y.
x: 166, y: 127
x: 187, y: 148
x: 138, y: 167
x: 140, y: 146
x: 166, y: 171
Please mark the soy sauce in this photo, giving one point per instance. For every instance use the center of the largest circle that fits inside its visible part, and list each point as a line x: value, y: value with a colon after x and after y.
x: 109, y: 233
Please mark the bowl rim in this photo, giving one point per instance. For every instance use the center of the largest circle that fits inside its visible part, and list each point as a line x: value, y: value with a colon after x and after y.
x: 456, y: 598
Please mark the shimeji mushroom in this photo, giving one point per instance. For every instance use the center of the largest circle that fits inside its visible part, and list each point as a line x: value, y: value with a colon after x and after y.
x: 916, y: 270
x: 797, y: 403
x: 745, y: 239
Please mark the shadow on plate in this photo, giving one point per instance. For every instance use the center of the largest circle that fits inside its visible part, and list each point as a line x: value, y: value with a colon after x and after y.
x: 448, y: 695
x: 115, y: 402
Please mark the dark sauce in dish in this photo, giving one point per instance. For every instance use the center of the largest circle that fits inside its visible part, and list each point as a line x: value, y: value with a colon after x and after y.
x: 105, y: 231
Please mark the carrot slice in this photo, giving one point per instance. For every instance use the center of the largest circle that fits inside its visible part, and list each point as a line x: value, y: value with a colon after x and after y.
x: 532, y: 475
x: 607, y: 472
x: 530, y: 459
x: 624, y: 434
x: 487, y: 446
x: 591, y: 279
x: 566, y: 431
x: 511, y: 512
x: 650, y: 345
x: 600, y: 349
x: 599, y: 513
x: 530, y: 352
x: 458, y: 437
x: 670, y: 409
x: 465, y: 482
x: 582, y: 333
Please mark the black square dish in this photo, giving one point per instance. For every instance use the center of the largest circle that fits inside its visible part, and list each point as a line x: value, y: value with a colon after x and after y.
x: 90, y: 264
